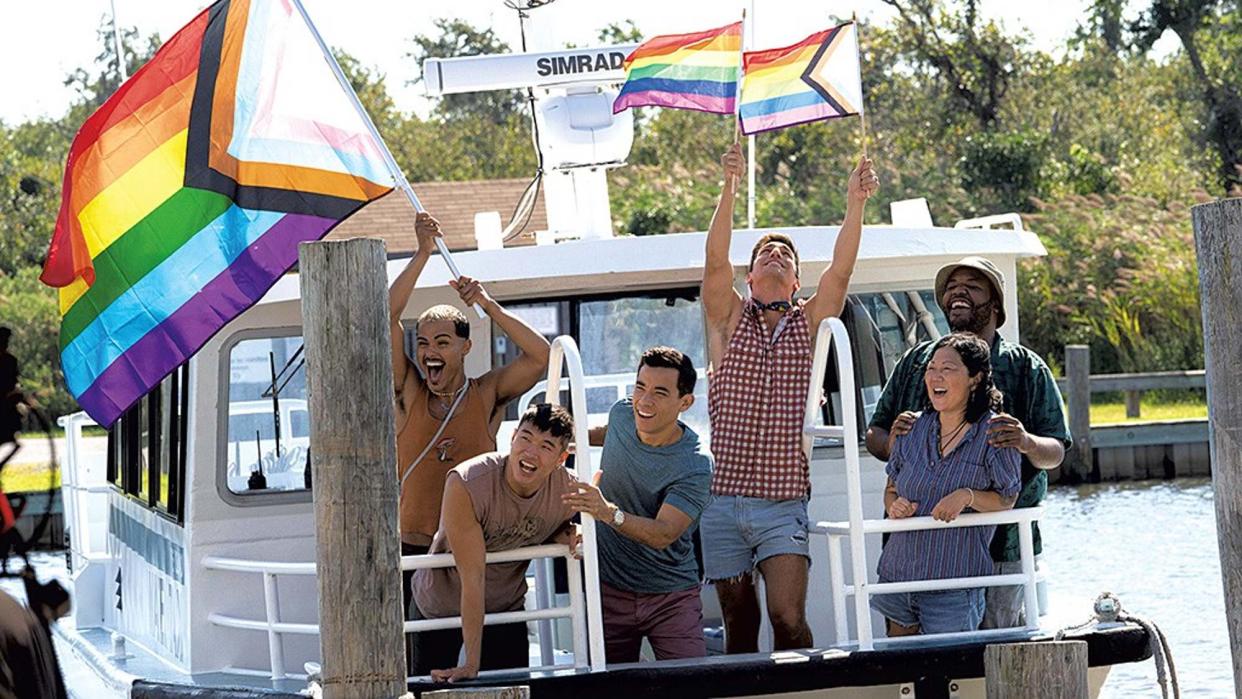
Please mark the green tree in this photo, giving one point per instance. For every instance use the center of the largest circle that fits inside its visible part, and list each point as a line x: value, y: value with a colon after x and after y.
x: 1210, y: 32
x: 459, y: 38
x: 626, y: 32
x: 369, y: 85
x: 96, y: 83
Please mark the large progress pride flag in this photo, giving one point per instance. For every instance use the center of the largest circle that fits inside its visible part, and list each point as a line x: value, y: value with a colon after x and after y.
x: 696, y: 71
x: 186, y: 195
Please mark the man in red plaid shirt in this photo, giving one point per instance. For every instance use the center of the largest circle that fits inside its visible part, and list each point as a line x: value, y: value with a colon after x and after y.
x: 760, y: 353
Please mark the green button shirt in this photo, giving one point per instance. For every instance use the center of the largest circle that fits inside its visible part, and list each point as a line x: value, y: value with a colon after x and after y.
x: 1030, y: 394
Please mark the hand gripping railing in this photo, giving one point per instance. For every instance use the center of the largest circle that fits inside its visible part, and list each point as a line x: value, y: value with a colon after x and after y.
x: 832, y: 332
x: 564, y: 349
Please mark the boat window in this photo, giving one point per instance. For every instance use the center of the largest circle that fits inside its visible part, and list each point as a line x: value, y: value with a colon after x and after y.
x: 612, y: 332
x: 146, y: 447
x: 882, y: 327
x: 268, y: 437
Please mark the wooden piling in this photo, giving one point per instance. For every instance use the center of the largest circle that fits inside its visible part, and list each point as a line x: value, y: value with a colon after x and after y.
x: 1218, y: 247
x: 1036, y: 670
x: 349, y: 387
x: 1134, y: 400
x: 1078, y: 374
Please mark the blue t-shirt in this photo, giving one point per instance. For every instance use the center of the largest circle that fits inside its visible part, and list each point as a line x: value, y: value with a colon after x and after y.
x: 640, y: 479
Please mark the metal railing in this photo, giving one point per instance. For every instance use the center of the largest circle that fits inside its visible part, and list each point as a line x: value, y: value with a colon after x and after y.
x: 584, y: 609
x: 832, y: 331
x: 276, y: 629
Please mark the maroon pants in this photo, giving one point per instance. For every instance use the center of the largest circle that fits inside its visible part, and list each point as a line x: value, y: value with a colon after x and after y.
x: 672, y: 622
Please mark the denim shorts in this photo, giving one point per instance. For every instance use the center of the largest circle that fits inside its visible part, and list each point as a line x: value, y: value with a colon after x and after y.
x: 739, y: 532
x: 944, y: 611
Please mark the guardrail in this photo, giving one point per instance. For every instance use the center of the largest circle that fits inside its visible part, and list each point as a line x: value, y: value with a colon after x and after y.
x: 584, y: 610
x: 1077, y: 387
x: 856, y: 528
x: 276, y: 629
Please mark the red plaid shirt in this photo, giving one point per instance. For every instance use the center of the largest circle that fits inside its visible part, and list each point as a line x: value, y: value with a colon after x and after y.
x: 756, y: 399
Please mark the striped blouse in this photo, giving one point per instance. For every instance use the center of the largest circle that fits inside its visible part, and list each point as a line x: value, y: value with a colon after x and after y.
x: 922, y: 476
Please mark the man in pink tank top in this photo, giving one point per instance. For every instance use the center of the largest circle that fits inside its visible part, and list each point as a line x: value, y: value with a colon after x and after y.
x: 760, y: 350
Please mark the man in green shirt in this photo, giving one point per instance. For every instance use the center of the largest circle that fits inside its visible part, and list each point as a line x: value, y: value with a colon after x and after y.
x: 971, y: 292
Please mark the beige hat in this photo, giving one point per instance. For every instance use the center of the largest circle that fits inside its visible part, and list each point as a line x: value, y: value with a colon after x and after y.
x: 983, y: 266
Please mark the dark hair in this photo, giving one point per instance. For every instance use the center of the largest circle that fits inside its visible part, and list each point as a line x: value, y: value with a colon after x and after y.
x: 5, y: 334
x: 977, y: 357
x: 669, y: 358
x: 779, y: 238
x: 546, y: 417
x: 461, y: 326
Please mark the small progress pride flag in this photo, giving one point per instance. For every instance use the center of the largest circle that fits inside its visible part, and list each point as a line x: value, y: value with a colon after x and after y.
x: 816, y: 78
x: 685, y: 71
x: 186, y: 195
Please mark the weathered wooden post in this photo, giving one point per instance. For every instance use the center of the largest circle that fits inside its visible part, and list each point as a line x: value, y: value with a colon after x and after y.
x: 1037, y: 670
x: 1078, y: 376
x: 1218, y: 245
x: 349, y: 386
x: 1134, y: 403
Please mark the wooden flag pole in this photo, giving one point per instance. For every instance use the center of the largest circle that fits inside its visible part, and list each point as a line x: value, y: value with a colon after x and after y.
x: 395, y: 170
x: 737, y: 95
x: 862, y: 119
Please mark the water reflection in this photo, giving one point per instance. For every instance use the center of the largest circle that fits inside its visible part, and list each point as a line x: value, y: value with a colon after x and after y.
x: 1153, y: 544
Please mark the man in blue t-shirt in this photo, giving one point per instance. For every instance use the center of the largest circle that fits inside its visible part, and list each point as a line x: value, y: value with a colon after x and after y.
x: 654, y: 482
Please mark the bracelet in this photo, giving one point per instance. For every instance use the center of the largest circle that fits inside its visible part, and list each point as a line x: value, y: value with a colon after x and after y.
x: 972, y: 497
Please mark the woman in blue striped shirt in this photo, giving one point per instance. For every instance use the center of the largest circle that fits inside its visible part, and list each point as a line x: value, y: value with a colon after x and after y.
x: 942, y: 467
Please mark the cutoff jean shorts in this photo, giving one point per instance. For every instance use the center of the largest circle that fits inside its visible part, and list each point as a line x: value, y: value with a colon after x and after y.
x: 740, y: 532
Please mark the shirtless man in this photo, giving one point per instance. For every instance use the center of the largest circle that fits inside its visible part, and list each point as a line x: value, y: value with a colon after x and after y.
x: 443, y: 417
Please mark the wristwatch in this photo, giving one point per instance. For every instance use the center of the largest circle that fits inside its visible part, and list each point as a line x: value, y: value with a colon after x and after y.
x: 618, y: 517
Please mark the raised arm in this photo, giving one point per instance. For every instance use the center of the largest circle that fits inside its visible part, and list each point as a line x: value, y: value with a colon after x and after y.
x: 829, y: 297
x: 465, y: 537
x: 427, y: 229
x: 721, y: 302
x: 516, y: 377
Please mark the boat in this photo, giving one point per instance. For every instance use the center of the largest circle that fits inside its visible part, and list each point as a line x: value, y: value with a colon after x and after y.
x: 192, y: 536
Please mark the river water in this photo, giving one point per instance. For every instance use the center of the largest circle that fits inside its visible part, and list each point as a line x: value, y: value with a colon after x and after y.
x: 1153, y: 545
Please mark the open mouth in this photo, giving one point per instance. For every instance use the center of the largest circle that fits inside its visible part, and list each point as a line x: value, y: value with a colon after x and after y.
x: 960, y: 305
x: 435, y: 369
x: 528, y: 467
x: 644, y: 415
x: 940, y: 392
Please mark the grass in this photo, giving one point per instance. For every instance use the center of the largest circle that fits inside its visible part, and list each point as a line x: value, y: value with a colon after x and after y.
x: 1116, y: 412
x: 25, y: 478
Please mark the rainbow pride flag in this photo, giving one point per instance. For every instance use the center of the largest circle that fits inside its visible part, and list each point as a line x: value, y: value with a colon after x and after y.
x: 685, y: 71
x: 816, y: 78
x: 186, y: 195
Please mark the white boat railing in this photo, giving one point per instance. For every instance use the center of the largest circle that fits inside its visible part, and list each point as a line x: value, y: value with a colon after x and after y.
x: 584, y: 609
x: 832, y: 332
x: 276, y: 629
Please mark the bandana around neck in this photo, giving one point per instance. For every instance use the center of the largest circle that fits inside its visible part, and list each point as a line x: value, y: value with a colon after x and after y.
x: 779, y: 306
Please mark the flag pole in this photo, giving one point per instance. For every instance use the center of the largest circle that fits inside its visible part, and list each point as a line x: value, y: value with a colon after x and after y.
x: 737, y: 95
x: 862, y: 119
x: 116, y: 41
x: 750, y: 140
x: 393, y: 169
